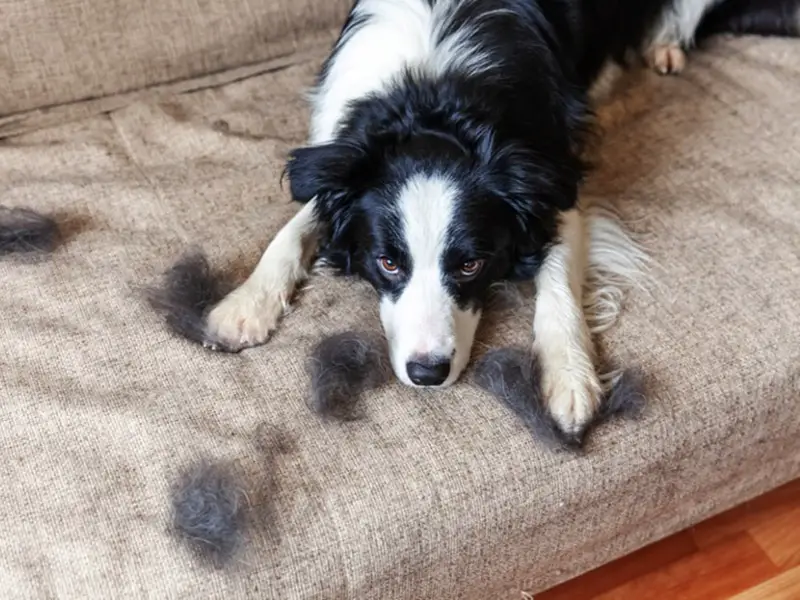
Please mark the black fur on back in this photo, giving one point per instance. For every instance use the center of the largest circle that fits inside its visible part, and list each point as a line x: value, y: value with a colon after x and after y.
x: 208, y: 510
x: 189, y: 289
x: 758, y: 17
x: 341, y: 368
x: 514, y: 376
x: 24, y: 230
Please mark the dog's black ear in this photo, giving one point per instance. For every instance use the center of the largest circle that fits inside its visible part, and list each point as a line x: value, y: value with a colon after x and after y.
x: 532, y: 191
x: 324, y: 170
x: 532, y: 183
x: 333, y: 175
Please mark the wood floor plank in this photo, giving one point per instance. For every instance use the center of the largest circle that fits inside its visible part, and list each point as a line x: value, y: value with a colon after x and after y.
x: 744, y: 551
x: 651, y: 558
x: 748, y: 515
x: 714, y: 573
x: 779, y: 537
x: 785, y: 586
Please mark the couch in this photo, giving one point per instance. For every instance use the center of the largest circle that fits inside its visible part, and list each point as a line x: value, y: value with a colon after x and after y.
x: 147, y: 128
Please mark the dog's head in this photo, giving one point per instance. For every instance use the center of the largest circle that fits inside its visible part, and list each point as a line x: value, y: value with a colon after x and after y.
x: 432, y: 218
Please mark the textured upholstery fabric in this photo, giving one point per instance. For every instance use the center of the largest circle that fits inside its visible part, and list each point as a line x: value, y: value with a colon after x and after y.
x: 433, y: 495
x: 53, y: 52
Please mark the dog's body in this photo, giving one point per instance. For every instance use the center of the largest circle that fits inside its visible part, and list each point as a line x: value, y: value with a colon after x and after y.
x: 445, y: 156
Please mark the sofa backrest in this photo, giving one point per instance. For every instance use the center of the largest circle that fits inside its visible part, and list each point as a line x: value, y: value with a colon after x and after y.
x: 59, y: 51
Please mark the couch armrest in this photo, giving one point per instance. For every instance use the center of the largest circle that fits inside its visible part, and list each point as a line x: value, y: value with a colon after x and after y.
x: 58, y: 51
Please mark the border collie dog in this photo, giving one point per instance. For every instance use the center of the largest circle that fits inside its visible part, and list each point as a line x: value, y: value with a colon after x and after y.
x: 445, y: 156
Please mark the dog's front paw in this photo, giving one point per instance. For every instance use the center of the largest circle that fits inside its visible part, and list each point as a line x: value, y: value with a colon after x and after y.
x: 244, y: 318
x: 572, y: 393
x: 666, y: 59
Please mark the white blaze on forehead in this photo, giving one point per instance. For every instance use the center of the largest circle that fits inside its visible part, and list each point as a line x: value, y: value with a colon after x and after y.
x: 425, y: 320
x: 426, y: 208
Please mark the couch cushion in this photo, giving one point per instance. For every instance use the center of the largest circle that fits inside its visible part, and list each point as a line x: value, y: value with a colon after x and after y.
x: 58, y: 51
x: 432, y: 495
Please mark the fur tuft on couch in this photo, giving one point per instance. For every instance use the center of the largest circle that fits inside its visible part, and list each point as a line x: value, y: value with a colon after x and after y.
x: 146, y: 128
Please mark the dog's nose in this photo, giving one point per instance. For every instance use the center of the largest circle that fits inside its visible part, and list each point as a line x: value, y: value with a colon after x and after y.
x: 428, y: 370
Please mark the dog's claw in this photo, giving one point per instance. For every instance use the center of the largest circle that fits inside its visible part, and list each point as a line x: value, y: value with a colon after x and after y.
x: 666, y: 59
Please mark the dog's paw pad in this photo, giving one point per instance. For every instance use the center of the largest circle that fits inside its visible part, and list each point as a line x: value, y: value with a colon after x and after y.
x: 573, y: 400
x: 243, y: 320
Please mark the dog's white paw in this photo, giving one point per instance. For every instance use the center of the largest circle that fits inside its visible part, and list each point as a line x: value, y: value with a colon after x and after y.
x: 572, y: 393
x: 666, y: 59
x: 245, y: 318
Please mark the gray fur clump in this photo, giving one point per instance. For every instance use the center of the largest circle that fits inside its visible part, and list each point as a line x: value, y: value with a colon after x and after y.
x: 514, y: 376
x: 208, y: 511
x: 626, y: 398
x: 189, y: 289
x: 341, y: 368
x: 24, y: 230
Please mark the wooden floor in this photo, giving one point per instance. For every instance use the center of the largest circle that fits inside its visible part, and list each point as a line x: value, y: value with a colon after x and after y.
x: 749, y: 553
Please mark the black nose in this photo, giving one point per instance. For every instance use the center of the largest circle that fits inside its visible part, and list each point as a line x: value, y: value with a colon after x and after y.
x: 428, y: 371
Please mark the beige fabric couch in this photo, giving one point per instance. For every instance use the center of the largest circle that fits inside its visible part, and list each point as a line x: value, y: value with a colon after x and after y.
x: 148, y: 127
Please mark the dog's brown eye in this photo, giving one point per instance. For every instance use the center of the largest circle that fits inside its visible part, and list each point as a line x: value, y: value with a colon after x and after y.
x: 388, y: 265
x: 470, y: 268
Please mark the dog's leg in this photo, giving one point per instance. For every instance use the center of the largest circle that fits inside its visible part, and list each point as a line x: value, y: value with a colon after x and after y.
x: 248, y: 315
x: 665, y: 50
x: 561, y: 337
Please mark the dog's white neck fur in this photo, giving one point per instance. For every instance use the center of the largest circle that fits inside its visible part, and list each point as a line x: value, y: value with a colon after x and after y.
x: 425, y: 320
x: 402, y: 34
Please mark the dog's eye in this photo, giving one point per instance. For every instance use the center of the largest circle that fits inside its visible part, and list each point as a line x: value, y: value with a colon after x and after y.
x: 388, y: 265
x: 470, y: 269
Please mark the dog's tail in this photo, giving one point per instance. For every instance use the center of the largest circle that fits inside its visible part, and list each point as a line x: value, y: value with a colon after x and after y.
x: 779, y: 18
x: 617, y: 263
